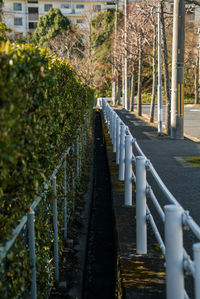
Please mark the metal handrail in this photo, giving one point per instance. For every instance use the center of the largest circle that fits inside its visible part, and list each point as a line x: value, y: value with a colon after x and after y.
x: 173, y: 216
x: 4, y: 250
x: 29, y: 218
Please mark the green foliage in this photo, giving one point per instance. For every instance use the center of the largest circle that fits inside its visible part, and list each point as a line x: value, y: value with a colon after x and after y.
x: 102, y: 29
x: 4, y: 31
x: 50, y: 25
x: 42, y: 108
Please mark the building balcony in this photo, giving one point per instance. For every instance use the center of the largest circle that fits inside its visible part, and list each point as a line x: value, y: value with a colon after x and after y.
x: 33, y: 17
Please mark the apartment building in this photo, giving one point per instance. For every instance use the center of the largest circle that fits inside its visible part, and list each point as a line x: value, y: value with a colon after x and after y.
x: 22, y: 16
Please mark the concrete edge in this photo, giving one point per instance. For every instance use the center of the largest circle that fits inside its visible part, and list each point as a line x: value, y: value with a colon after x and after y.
x: 146, y: 118
x: 118, y: 286
x: 78, y: 278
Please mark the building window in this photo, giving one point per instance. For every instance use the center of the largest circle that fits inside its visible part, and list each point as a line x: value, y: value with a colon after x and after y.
x: 18, y: 21
x: 47, y: 7
x: 80, y: 6
x: 32, y: 25
x: 96, y: 8
x: 65, y: 6
x: 17, y: 6
x: 79, y: 21
x: 33, y: 10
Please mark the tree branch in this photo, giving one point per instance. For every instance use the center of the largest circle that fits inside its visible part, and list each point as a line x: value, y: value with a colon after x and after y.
x: 193, y: 2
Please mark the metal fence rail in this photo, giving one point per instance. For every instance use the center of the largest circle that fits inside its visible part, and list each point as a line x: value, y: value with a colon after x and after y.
x: 28, y: 221
x: 174, y: 217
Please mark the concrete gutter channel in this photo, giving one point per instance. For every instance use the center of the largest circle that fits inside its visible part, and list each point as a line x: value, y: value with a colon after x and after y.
x: 137, y: 277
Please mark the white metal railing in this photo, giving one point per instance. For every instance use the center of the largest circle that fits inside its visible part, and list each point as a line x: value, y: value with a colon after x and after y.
x: 28, y: 221
x: 174, y: 217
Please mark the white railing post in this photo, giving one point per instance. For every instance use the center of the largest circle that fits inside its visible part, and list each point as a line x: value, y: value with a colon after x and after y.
x: 107, y: 116
x: 114, y: 133
x: 112, y: 125
x: 141, y: 226
x: 55, y: 226
x: 196, y: 251
x: 122, y: 153
x: 174, y: 252
x: 31, y: 243
x: 117, y: 139
x: 110, y: 121
x: 128, y: 170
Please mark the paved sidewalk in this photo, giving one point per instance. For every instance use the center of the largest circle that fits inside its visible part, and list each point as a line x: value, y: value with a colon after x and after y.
x: 182, y: 180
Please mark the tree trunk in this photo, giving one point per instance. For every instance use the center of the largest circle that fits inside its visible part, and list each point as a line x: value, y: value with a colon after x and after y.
x: 197, y: 79
x: 133, y: 88
x: 152, y: 108
x: 118, y: 97
x: 139, y: 90
x: 166, y: 71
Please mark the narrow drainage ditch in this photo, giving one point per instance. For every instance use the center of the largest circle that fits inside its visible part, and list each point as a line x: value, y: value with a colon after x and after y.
x: 100, y: 272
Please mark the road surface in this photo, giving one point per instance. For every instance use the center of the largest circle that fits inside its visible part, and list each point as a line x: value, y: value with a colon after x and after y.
x: 191, y: 119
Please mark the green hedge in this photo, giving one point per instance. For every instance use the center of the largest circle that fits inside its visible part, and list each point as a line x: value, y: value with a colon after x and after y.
x: 41, y: 107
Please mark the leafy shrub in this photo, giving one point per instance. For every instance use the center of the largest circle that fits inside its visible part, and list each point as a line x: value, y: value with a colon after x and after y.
x: 42, y: 105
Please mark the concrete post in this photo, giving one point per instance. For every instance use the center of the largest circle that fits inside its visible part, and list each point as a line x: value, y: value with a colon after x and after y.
x: 141, y: 227
x: 174, y: 252
x: 177, y: 96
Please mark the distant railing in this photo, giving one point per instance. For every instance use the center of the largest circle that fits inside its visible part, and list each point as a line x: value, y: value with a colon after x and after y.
x: 174, y: 217
x: 27, y: 222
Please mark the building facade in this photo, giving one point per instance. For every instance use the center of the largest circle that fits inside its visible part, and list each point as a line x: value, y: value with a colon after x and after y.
x: 22, y: 16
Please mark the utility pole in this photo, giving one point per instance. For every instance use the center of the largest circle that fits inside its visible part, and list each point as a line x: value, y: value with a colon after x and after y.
x: 123, y: 85
x: 199, y: 67
x: 125, y: 56
x: 177, y: 96
x: 160, y: 114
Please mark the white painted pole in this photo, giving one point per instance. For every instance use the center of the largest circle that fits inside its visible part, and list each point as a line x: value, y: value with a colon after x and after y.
x: 128, y: 170
x: 174, y: 252
x: 196, y: 251
x: 141, y: 227
x: 117, y: 139
x: 125, y: 55
x: 122, y: 153
x: 159, y: 75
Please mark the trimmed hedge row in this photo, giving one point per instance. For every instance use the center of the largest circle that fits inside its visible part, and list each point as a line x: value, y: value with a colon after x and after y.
x: 41, y: 106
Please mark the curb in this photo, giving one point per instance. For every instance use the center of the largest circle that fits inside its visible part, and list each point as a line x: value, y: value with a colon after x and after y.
x: 77, y: 291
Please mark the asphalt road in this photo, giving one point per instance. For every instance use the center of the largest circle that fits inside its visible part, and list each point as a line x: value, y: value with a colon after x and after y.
x: 191, y: 119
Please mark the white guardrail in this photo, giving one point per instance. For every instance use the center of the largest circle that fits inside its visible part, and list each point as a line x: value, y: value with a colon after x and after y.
x: 174, y: 217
